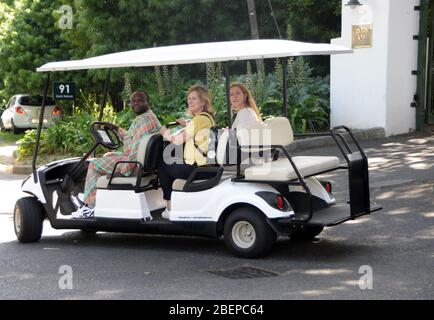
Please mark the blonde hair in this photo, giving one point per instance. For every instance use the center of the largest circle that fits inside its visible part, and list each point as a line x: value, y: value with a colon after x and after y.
x: 204, y: 97
x: 250, y: 101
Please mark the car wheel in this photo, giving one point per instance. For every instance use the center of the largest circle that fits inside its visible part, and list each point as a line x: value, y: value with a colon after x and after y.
x: 247, y: 233
x: 15, y: 130
x: 2, y: 126
x: 28, y: 219
x: 305, y: 233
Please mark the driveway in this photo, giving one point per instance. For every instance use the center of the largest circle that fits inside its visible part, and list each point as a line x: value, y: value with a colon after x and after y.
x: 386, y: 255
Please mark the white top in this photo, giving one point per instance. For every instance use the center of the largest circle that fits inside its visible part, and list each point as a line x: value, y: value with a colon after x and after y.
x: 244, y: 116
x: 199, y: 53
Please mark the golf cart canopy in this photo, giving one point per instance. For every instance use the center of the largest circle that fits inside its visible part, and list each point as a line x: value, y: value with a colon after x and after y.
x: 198, y: 53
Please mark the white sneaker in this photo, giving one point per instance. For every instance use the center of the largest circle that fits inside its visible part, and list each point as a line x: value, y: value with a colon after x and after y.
x: 83, y: 213
x: 165, y: 214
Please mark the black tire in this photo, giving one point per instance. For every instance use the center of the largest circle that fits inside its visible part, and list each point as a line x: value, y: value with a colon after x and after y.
x: 28, y: 219
x: 305, y: 233
x: 258, y: 245
x: 15, y: 130
x: 2, y: 126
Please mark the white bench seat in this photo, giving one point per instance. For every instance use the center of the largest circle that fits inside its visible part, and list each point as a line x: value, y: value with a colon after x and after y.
x: 282, y: 170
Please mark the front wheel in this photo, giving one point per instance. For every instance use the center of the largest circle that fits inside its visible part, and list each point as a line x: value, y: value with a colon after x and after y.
x: 247, y: 233
x: 28, y: 219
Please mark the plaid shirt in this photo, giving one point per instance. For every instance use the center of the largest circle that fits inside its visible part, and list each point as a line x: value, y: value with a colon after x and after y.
x: 142, y: 126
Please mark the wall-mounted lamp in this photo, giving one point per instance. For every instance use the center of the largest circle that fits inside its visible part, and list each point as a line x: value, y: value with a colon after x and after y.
x: 353, y: 4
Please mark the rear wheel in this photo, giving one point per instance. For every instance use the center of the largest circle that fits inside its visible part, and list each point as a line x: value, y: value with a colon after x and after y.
x: 247, y: 233
x: 15, y: 130
x: 28, y: 219
x: 2, y: 126
x: 305, y: 233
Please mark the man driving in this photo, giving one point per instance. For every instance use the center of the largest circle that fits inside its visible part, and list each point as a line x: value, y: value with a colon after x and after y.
x: 144, y: 124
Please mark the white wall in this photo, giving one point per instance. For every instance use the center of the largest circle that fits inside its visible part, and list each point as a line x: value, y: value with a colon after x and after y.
x: 373, y: 87
x: 402, y: 59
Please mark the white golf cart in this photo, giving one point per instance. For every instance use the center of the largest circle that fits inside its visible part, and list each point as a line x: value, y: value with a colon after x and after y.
x: 249, y: 206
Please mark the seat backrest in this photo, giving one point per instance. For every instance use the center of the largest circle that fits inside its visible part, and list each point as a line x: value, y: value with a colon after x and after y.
x: 226, y: 153
x: 150, y: 151
x: 221, y: 147
x: 273, y: 131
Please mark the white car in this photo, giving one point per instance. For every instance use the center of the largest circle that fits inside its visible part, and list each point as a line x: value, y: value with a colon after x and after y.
x: 23, y: 111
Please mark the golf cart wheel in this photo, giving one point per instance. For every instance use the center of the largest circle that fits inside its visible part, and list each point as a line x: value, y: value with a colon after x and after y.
x: 28, y: 219
x: 305, y: 233
x: 247, y: 233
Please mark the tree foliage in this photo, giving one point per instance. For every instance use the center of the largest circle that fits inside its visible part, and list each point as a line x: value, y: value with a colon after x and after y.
x: 29, y: 39
x: 315, y: 21
x: 30, y: 35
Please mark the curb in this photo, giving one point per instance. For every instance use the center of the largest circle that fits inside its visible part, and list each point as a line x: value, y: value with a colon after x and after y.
x: 297, y: 145
x: 5, y: 169
x: 23, y: 170
x: 19, y: 170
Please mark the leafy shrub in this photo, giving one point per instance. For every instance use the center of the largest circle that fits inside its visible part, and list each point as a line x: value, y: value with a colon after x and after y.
x: 70, y: 135
x: 308, y: 97
x: 166, y: 89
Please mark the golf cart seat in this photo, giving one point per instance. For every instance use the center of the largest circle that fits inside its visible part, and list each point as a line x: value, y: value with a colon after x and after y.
x: 282, y: 170
x: 216, y: 172
x: 278, y: 132
x: 149, y: 154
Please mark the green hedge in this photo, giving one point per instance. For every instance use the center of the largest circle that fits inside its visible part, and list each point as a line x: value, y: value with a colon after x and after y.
x: 71, y: 135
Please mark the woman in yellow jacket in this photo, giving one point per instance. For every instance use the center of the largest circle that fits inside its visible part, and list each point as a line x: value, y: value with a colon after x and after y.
x: 195, y: 136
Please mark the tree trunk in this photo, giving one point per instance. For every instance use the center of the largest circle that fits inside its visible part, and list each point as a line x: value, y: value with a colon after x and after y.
x: 254, y: 30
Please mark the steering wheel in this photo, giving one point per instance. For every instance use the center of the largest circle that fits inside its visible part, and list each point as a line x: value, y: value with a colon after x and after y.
x: 105, y: 134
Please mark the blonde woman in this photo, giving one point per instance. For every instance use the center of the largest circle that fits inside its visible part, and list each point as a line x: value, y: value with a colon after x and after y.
x: 243, y: 103
x: 195, y: 136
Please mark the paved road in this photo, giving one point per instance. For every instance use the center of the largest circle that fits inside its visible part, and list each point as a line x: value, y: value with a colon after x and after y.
x: 396, y: 244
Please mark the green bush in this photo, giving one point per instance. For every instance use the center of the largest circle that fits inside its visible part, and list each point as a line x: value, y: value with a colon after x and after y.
x: 308, y: 97
x: 71, y: 135
x: 166, y: 89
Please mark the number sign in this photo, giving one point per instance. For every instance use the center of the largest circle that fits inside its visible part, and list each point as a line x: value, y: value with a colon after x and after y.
x: 64, y: 90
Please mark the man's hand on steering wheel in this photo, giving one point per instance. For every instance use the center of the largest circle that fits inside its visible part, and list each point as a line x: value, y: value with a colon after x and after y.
x: 106, y: 134
x: 122, y: 132
x: 111, y: 126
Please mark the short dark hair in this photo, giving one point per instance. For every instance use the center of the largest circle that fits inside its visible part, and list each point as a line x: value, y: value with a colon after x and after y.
x: 141, y: 91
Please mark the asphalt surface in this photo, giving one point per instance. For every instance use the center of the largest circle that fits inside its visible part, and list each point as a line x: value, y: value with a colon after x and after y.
x: 396, y: 244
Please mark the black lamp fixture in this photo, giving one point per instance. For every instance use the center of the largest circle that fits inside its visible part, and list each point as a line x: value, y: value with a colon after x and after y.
x: 353, y: 4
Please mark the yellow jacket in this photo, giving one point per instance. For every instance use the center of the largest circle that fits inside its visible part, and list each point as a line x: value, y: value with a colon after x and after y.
x: 198, y: 128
